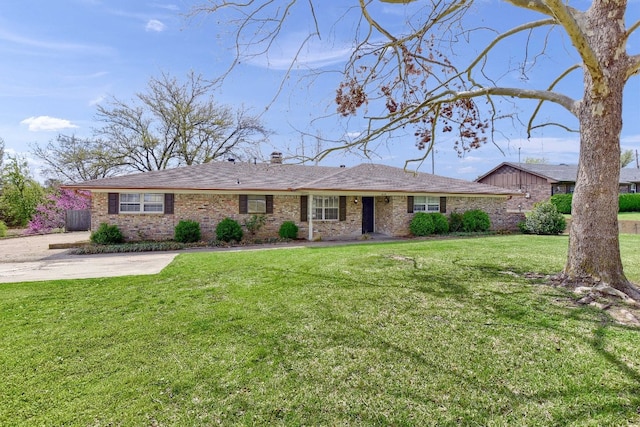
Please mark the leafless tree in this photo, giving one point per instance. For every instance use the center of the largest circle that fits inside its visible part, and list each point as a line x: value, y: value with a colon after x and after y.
x: 177, y: 123
x: 71, y: 159
x: 421, y: 82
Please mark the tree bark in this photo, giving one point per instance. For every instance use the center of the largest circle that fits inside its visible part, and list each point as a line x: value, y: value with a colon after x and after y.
x: 594, y: 249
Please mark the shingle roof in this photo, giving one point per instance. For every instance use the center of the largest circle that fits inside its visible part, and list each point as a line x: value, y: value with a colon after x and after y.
x: 229, y: 176
x: 563, y: 172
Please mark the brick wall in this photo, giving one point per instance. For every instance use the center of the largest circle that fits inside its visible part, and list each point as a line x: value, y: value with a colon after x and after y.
x: 391, y: 217
x: 537, y: 193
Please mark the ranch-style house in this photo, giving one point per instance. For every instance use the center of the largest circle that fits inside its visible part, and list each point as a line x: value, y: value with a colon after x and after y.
x: 324, y: 202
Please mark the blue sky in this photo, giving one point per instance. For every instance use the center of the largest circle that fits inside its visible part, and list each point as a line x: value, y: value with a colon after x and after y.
x: 62, y: 58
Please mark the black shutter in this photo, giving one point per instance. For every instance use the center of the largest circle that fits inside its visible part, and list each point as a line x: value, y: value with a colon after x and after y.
x: 304, y: 200
x: 243, y: 204
x: 269, y: 202
x: 114, y: 201
x: 409, y: 204
x: 343, y: 208
x: 443, y: 205
x: 168, y: 203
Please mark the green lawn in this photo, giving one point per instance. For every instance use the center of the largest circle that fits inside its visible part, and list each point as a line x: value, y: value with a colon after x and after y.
x: 623, y: 216
x: 629, y: 216
x: 444, y: 332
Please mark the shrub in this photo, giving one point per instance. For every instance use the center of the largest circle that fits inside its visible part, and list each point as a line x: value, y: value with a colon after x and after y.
x: 187, y: 231
x: 255, y: 223
x: 562, y: 202
x: 3, y: 229
x: 475, y: 220
x: 455, y: 222
x: 422, y: 224
x: 229, y: 230
x: 50, y: 213
x: 440, y: 223
x: 629, y: 203
x: 107, y: 235
x: 544, y: 218
x: 288, y: 230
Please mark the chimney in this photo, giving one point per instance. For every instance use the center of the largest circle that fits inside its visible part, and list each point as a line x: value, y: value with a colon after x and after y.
x: 276, y: 158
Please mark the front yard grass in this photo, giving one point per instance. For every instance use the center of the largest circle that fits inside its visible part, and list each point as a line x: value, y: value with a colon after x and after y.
x: 443, y: 332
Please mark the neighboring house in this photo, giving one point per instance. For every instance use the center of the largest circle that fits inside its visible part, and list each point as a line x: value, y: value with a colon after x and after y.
x: 325, y: 202
x: 538, y: 182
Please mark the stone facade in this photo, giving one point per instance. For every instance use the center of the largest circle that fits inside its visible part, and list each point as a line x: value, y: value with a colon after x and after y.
x: 390, y: 216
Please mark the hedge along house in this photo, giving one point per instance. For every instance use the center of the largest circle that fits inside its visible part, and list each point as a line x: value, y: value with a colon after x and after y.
x: 324, y: 202
x: 538, y: 182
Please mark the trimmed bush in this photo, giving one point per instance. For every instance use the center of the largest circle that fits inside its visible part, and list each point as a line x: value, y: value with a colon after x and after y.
x: 229, y: 230
x: 562, y: 202
x: 288, y: 230
x: 3, y: 229
x: 440, y: 223
x: 422, y: 224
x: 544, y: 219
x: 629, y: 203
x: 107, y: 235
x: 187, y: 231
x: 475, y: 220
x: 455, y: 222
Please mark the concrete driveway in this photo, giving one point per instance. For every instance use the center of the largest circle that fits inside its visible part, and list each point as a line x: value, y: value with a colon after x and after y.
x: 27, y: 259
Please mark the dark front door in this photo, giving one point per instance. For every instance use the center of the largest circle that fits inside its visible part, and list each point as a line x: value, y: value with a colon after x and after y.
x: 367, y: 215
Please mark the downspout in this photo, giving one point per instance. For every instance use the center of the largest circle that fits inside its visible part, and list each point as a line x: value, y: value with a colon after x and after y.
x: 310, y: 216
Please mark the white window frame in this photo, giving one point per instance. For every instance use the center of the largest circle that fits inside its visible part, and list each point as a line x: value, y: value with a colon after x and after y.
x: 256, y: 204
x: 141, y: 203
x: 426, y: 204
x: 325, y: 208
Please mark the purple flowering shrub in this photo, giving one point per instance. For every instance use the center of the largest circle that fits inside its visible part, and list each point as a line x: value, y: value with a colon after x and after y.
x: 50, y: 214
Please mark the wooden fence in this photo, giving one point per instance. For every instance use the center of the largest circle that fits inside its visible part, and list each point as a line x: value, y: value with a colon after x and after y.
x: 78, y: 220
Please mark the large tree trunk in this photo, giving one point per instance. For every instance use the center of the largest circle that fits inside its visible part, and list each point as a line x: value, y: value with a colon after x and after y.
x: 594, y: 250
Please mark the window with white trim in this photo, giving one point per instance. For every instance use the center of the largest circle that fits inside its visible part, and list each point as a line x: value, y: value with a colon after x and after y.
x: 426, y: 204
x: 141, y: 202
x: 325, y: 208
x: 256, y: 204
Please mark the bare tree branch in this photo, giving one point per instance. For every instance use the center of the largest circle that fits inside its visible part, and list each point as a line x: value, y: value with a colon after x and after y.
x: 634, y: 66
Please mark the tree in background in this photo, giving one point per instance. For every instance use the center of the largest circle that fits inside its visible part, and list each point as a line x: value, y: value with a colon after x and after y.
x: 51, y: 213
x: 536, y: 161
x: 1, y: 154
x: 71, y: 159
x: 416, y: 76
x: 176, y: 123
x: 626, y: 157
x: 20, y: 193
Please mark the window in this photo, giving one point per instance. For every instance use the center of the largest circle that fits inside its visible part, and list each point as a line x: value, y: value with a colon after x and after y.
x: 256, y: 204
x: 142, y: 202
x: 426, y: 204
x: 325, y: 208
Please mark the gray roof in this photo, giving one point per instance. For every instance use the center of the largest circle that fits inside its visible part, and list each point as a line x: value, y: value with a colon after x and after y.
x: 263, y: 177
x: 563, y: 172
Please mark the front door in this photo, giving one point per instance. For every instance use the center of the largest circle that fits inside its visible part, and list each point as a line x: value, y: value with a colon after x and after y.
x: 367, y: 215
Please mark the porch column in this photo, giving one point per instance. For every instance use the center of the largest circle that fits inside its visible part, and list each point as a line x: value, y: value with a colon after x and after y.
x: 310, y: 216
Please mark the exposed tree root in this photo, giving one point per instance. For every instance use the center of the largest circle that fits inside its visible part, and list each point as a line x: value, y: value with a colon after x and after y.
x: 624, y: 309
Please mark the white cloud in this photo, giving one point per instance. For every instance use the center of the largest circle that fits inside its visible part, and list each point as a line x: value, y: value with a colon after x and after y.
x: 297, y: 50
x: 47, y: 124
x: 97, y: 100
x: 155, y: 25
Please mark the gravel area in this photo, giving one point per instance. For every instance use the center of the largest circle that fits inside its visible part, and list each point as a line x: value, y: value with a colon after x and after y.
x: 34, y: 248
